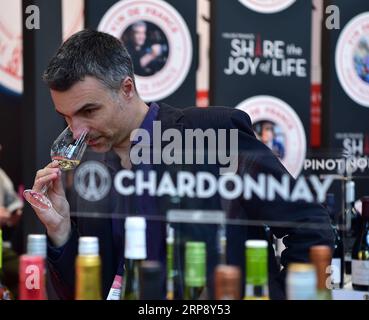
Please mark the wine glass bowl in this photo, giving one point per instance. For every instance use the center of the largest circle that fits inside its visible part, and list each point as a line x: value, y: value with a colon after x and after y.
x: 68, y: 152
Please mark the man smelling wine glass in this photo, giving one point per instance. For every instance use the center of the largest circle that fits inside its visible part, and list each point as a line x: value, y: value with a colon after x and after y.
x: 92, y: 84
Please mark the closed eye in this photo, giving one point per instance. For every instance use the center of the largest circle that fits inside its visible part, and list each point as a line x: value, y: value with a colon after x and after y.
x: 89, y: 112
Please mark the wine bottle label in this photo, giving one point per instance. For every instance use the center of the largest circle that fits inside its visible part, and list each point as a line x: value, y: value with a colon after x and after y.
x: 116, y: 288
x: 195, y: 275
x: 336, y: 271
x: 195, y: 264
x: 360, y: 272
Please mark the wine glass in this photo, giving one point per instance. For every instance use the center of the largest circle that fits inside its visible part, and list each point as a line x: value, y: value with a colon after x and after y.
x: 68, y: 152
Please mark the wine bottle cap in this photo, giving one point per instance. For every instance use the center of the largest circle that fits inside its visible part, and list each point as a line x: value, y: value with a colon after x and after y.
x: 88, y: 246
x: 300, y: 267
x: 227, y: 282
x: 365, y: 207
x: 170, y: 235
x: 228, y: 271
x: 256, y: 243
x: 135, y: 223
x: 135, y: 238
x: 256, y: 262
x: 321, y: 251
x: 36, y: 245
x: 350, y: 191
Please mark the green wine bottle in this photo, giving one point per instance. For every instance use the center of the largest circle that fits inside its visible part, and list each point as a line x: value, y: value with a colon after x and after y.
x: 256, y: 287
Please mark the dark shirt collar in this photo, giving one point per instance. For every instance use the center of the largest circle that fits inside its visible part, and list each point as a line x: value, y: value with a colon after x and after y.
x: 148, y: 122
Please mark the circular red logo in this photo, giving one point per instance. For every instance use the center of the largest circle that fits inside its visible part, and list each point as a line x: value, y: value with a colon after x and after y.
x: 278, y: 126
x: 352, y: 59
x: 267, y: 6
x: 158, y: 41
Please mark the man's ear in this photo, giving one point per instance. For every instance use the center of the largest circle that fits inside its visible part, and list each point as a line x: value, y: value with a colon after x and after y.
x: 128, y: 87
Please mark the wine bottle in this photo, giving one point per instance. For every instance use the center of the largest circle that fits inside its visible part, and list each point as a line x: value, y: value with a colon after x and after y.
x: 256, y: 284
x: 350, y: 211
x: 321, y: 256
x: 227, y: 282
x: 32, y: 278
x: 195, y: 270
x: 351, y: 223
x: 150, y: 280
x: 338, y: 260
x: 178, y: 265
x: 88, y: 269
x: 5, y: 294
x: 134, y: 253
x: 301, y: 283
x: 32, y: 269
x: 360, y: 251
x: 222, y: 243
x: 36, y: 245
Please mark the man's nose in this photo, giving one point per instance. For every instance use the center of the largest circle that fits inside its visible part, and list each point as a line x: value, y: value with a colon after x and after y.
x: 77, y: 127
x: 79, y: 132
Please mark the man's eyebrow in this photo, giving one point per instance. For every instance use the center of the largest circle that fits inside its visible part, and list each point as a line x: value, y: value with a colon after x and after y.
x: 85, y: 106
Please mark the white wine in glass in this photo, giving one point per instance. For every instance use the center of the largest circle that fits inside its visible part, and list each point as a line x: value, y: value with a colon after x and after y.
x: 68, y: 152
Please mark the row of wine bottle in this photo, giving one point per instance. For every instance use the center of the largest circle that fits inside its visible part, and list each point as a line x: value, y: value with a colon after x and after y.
x: 142, y: 278
x: 356, y: 238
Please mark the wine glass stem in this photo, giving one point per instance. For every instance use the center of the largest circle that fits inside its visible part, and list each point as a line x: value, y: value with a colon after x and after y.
x: 45, y: 188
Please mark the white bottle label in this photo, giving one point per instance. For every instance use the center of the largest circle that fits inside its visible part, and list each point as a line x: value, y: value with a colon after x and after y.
x: 360, y: 272
x: 116, y: 288
x: 336, y: 271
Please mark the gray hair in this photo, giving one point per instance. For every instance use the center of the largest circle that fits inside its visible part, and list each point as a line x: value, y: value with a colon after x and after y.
x: 89, y: 53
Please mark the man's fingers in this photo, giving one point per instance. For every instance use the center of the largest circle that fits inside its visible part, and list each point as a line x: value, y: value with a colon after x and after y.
x: 53, y: 164
x: 40, y: 182
x: 46, y: 171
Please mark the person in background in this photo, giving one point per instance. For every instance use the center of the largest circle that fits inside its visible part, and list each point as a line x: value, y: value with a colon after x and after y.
x: 11, y: 206
x: 266, y: 133
x: 144, y: 56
